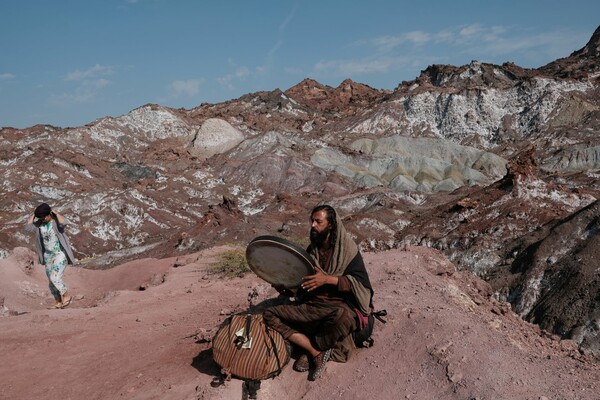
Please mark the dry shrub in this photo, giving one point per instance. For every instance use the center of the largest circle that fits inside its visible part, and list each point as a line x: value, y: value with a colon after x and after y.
x: 232, y: 264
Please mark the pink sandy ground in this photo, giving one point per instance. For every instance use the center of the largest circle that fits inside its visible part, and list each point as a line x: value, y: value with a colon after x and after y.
x: 446, y: 337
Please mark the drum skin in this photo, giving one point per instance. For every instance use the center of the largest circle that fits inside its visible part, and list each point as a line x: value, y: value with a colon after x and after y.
x: 279, y: 261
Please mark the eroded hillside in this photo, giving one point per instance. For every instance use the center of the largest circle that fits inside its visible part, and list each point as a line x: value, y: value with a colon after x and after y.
x: 479, y: 161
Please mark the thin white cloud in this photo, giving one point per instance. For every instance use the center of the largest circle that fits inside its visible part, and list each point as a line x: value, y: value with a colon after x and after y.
x: 553, y: 44
x: 184, y: 88
x: 82, y: 96
x: 281, y: 33
x: 89, y: 83
x: 443, y: 36
x: 372, y: 65
x: 274, y: 49
x: 100, y: 83
x: 352, y: 67
x: 294, y: 70
x: 287, y: 19
x: 460, y: 34
x: 90, y: 73
x: 84, y: 93
x: 471, y: 31
x: 226, y: 81
x: 241, y: 73
x: 389, y: 43
x: 128, y: 4
x: 6, y: 76
x: 484, y: 43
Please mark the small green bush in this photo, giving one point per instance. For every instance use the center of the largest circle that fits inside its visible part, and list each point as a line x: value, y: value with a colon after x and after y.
x: 232, y: 264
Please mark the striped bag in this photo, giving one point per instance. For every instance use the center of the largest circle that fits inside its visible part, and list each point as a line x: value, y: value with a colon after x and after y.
x: 244, y: 347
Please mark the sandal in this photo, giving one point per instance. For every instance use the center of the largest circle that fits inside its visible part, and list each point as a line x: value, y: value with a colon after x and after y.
x: 302, y: 364
x: 320, y: 362
x: 67, y: 301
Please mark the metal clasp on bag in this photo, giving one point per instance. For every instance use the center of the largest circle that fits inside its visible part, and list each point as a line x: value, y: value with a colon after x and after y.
x: 242, y: 336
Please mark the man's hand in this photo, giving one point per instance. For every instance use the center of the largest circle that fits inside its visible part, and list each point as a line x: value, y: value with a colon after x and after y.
x: 312, y: 282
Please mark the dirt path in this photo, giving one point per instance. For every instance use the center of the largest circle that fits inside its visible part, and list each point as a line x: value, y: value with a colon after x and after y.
x: 446, y: 338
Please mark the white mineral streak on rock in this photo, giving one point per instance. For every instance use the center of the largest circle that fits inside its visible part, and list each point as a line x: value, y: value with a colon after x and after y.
x: 456, y: 116
x: 537, y: 190
x: 80, y: 170
x: 105, y: 135
x: 155, y: 123
x: 206, y: 181
x: 410, y: 197
x: 575, y: 159
x: 532, y: 288
x: 308, y: 126
x: 142, y: 198
x: 375, y: 225
x: 216, y: 136
x: 247, y: 200
x: 50, y: 192
x: 45, y: 176
x: 136, y: 128
x: 105, y: 231
x: 132, y: 216
x: 28, y: 140
x: 353, y: 204
x: 271, y: 141
x: 8, y: 163
x: 289, y: 109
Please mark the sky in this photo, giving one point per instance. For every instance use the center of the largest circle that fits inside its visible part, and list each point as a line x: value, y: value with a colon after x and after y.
x: 69, y: 62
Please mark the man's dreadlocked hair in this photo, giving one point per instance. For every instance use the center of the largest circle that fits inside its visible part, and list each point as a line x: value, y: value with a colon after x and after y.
x: 331, y: 219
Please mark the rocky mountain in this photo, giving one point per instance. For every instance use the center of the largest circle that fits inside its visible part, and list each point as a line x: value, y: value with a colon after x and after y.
x: 495, y: 165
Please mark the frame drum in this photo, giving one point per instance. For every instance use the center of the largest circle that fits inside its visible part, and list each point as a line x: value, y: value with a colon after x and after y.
x: 279, y: 261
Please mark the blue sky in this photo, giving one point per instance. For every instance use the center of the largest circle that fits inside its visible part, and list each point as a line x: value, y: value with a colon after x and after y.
x: 69, y: 62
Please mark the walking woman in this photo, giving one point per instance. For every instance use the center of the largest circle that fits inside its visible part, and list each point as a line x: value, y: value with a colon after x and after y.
x: 53, y: 249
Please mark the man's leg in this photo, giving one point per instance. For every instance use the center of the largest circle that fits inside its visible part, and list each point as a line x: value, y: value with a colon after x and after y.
x: 335, y: 327
x: 303, y: 342
x: 319, y: 358
x: 290, y: 320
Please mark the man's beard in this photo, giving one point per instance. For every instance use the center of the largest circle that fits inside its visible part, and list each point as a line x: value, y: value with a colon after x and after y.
x: 318, y: 238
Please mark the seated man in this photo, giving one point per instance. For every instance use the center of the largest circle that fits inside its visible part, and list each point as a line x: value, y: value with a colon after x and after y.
x: 332, y: 303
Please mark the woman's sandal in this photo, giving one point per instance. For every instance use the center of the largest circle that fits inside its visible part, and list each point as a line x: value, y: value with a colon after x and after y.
x: 67, y: 302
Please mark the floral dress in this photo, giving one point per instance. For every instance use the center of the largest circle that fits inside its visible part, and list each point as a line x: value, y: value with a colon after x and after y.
x: 55, y: 260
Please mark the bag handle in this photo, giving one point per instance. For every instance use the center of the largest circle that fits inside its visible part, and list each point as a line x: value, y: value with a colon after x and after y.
x: 275, y: 352
x: 379, y: 315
